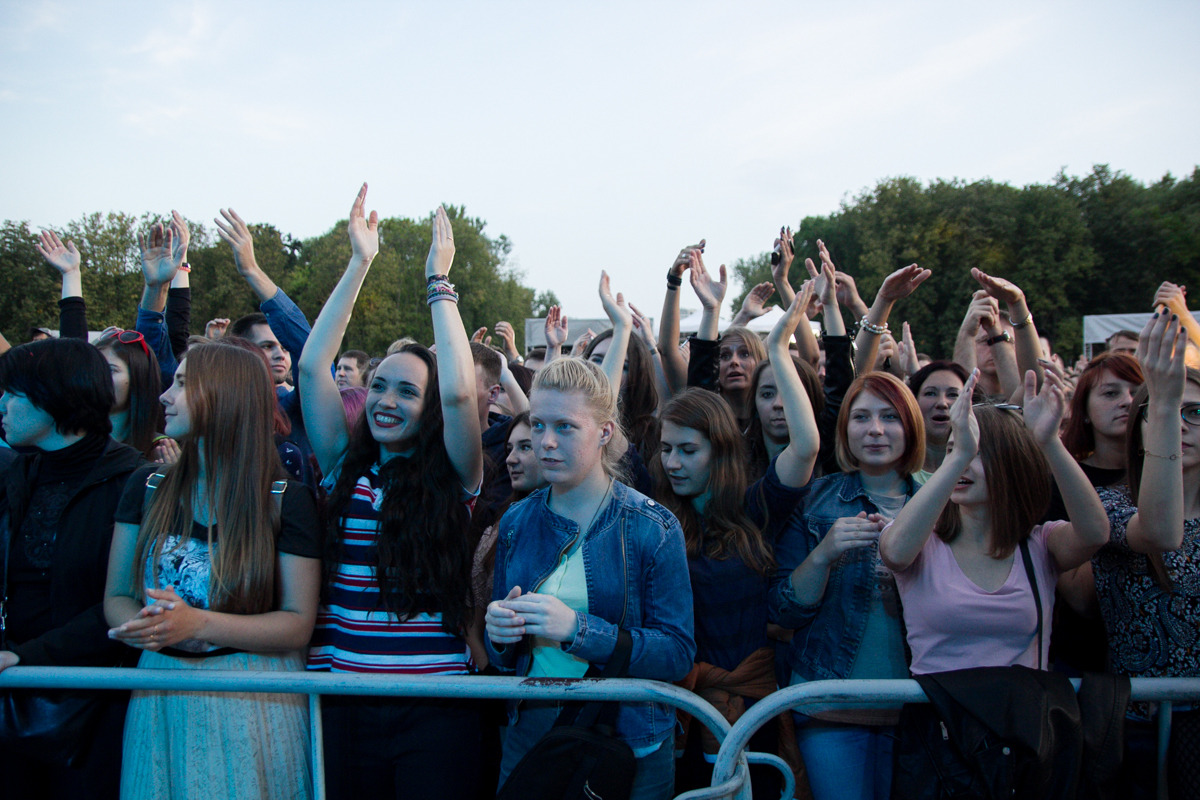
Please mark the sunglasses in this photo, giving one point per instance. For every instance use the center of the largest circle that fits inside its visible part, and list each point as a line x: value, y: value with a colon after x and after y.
x: 1188, y: 412
x: 132, y: 337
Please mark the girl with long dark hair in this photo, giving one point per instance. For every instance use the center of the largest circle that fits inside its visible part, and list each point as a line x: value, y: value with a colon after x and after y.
x: 137, y: 414
x: 397, y: 589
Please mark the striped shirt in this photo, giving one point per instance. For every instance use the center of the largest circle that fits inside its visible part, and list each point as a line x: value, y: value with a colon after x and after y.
x: 354, y: 633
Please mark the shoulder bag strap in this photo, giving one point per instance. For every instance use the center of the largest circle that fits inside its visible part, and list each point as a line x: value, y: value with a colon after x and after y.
x: 585, y: 715
x: 1027, y: 560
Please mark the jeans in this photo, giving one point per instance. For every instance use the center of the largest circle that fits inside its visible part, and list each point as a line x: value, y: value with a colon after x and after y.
x: 655, y: 776
x: 377, y: 747
x: 846, y: 762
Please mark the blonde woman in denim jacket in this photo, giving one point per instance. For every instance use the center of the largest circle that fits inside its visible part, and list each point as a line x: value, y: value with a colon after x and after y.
x: 832, y: 588
x: 582, y: 559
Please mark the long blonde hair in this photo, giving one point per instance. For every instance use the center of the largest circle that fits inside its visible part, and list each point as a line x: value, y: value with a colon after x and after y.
x: 231, y: 400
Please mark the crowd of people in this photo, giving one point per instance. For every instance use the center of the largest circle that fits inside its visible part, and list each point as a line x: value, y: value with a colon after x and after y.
x: 748, y: 514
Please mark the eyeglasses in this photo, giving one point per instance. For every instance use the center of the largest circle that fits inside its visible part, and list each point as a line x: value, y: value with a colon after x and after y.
x: 1188, y: 412
x: 132, y: 337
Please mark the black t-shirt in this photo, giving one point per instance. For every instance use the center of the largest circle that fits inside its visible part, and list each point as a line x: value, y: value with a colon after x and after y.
x: 300, y: 531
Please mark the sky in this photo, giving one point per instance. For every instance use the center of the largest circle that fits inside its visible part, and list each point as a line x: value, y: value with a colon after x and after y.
x: 593, y: 135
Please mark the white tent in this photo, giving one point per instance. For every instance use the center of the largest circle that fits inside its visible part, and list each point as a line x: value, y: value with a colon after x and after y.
x: 1098, y: 327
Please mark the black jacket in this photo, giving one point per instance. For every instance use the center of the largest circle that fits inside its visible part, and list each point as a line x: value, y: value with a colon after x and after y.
x: 79, y: 634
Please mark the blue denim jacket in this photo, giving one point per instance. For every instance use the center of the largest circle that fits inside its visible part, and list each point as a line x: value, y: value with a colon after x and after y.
x: 636, y: 568
x: 829, y: 633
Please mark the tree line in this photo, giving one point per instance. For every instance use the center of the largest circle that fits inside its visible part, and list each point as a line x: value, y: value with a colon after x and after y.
x: 1097, y: 244
x: 392, y: 301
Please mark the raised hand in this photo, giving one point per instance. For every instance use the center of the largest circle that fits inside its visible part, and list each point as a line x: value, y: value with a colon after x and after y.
x: 581, y: 344
x: 754, y: 306
x: 215, y: 328
x: 963, y: 425
x: 64, y: 259
x: 642, y: 328
x: 234, y: 230
x: 505, y: 331
x: 1172, y: 296
x: 907, y: 352
x: 888, y: 354
x: 441, y: 249
x: 847, y: 294
x: 710, y: 293
x: 1004, y: 291
x: 556, y: 331
x: 181, y: 234
x: 166, y: 451
x: 478, y: 335
x: 618, y: 313
x: 983, y: 312
x: 785, y: 328
x: 160, y: 258
x: 364, y: 230
x: 683, y: 261
x: 1161, y: 351
x: 785, y: 246
x: 1043, y: 411
x: 903, y: 282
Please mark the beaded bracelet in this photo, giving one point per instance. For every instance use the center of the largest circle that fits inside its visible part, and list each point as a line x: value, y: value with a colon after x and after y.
x: 870, y: 327
x: 440, y: 290
x: 1028, y: 319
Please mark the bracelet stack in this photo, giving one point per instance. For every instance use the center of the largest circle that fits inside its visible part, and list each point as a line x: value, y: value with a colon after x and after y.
x: 673, y: 281
x: 439, y: 287
x: 870, y: 327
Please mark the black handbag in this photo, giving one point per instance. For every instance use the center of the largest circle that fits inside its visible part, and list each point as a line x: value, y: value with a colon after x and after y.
x: 939, y: 758
x: 581, y: 757
x: 49, y: 725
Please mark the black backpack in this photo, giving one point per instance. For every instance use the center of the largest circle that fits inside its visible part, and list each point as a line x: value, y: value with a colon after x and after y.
x: 581, y: 758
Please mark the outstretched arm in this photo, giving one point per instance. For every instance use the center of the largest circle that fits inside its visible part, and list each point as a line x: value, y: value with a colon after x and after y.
x: 710, y: 293
x: 1161, y: 491
x: 899, y: 284
x: 1025, y: 336
x: 755, y: 304
x: 622, y: 322
x: 456, y: 369
x: 643, y: 330
x: 72, y: 314
x: 795, y: 464
x: 781, y: 267
x: 320, y: 400
x: 674, y: 365
x: 1174, y: 297
x: 234, y: 230
x: 556, y: 333
x: 903, y: 540
x: 1087, y: 530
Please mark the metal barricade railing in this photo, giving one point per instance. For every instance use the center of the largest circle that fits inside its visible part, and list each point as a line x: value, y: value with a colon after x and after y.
x: 315, y: 684
x: 827, y: 695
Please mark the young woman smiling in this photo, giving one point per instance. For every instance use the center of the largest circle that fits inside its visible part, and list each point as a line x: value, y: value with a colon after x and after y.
x: 398, y: 557
x: 832, y: 588
x: 582, y: 559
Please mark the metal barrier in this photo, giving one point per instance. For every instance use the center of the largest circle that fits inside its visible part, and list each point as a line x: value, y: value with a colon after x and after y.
x: 315, y: 684
x: 826, y: 695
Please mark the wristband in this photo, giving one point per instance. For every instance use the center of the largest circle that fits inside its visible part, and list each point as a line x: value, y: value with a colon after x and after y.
x: 870, y: 327
x: 440, y: 290
x: 435, y: 278
x: 673, y: 281
x: 999, y: 337
x: 1021, y: 324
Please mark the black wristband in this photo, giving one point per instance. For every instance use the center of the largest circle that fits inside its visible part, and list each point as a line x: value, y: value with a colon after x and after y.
x: 674, y: 281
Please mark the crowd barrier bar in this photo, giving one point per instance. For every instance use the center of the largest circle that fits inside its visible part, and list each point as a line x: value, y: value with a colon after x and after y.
x: 315, y: 684
x: 826, y: 695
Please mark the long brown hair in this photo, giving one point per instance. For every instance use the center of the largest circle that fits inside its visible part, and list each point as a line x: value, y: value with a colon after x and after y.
x: 725, y: 529
x: 1079, y: 437
x: 755, y: 438
x: 638, y: 397
x: 1018, y: 482
x: 145, y: 379
x: 231, y: 401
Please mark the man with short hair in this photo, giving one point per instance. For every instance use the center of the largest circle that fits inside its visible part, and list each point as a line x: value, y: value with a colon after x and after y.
x: 1123, y: 341
x: 352, y: 369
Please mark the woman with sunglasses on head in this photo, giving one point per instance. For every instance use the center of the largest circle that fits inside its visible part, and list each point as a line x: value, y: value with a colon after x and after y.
x: 57, y: 501
x: 397, y: 590
x: 137, y: 415
x: 955, y: 546
x: 730, y: 526
x: 832, y: 589
x: 1148, y: 575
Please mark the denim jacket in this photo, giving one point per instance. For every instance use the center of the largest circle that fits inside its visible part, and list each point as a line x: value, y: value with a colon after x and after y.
x: 828, y: 633
x: 636, y: 568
